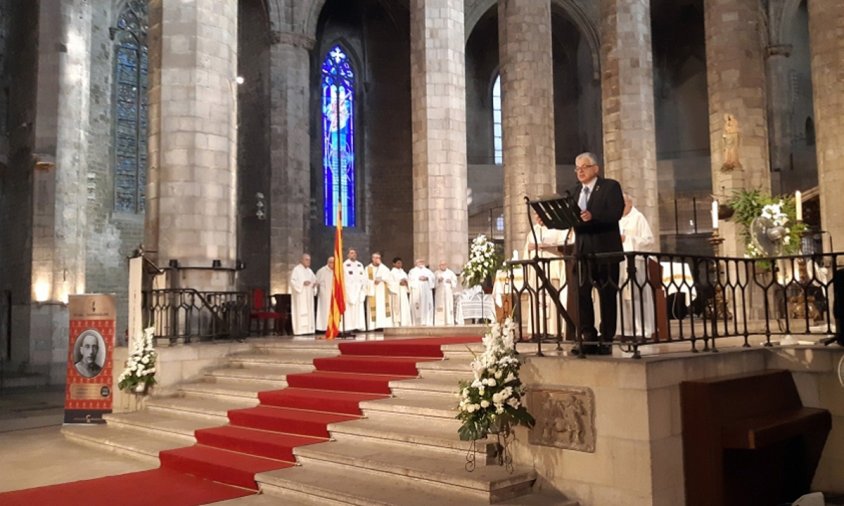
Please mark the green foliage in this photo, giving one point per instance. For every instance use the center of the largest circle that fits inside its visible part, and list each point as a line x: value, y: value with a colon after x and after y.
x: 749, y: 205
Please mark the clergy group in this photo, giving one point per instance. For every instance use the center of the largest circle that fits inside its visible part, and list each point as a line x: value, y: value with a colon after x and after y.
x: 376, y: 296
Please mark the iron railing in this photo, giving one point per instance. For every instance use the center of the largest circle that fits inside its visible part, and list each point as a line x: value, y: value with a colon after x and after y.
x: 187, y: 315
x: 664, y: 298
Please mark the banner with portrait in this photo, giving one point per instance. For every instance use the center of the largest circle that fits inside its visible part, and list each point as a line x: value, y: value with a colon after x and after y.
x: 88, y: 394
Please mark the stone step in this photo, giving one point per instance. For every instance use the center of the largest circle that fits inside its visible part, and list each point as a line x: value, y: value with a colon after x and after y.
x: 432, y: 382
x: 265, y: 499
x: 427, y: 467
x: 208, y: 409
x: 281, y: 344
x: 171, y: 425
x: 132, y: 443
x: 270, y: 378
x: 420, y: 404
x: 412, y: 431
x: 263, y: 358
x: 223, y: 390
x: 325, y: 484
x: 458, y: 365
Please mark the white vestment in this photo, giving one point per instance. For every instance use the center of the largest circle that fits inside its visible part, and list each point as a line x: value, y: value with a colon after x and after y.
x: 400, y: 298
x: 421, y: 296
x: 444, y: 297
x: 302, y: 300
x: 636, y: 231
x: 636, y: 315
x: 378, y: 297
x: 325, y: 288
x: 549, y: 240
x: 354, y: 278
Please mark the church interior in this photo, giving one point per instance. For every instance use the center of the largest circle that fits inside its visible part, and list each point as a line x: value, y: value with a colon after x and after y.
x: 217, y: 141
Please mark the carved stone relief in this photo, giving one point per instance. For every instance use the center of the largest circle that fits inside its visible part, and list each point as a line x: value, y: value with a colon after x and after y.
x: 565, y: 418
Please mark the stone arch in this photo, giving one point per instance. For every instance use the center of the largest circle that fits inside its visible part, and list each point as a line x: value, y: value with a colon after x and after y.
x: 586, y: 23
x: 311, y: 18
x: 784, y: 25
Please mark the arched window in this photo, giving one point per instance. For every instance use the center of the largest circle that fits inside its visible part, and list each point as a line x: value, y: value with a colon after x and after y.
x: 338, y: 131
x: 130, y: 107
x: 497, y: 142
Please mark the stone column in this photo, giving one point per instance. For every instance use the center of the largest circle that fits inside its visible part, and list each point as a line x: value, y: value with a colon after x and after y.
x: 628, y: 98
x: 735, y: 73
x: 779, y: 107
x: 191, y: 211
x: 438, y: 102
x: 826, y: 29
x: 290, y: 155
x: 527, y: 89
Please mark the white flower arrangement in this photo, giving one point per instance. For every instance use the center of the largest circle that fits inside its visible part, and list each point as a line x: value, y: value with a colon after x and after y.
x: 492, y: 401
x: 483, y: 262
x: 139, y: 373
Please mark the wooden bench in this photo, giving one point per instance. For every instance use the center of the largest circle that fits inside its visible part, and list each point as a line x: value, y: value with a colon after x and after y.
x: 748, y: 439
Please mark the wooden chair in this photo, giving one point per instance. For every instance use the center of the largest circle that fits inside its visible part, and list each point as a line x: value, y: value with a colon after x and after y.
x: 263, y: 311
x: 747, y: 439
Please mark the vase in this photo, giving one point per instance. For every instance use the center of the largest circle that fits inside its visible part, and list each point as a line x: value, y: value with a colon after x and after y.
x: 141, y: 388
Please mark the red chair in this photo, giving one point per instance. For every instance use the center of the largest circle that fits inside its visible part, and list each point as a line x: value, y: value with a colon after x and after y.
x: 263, y: 312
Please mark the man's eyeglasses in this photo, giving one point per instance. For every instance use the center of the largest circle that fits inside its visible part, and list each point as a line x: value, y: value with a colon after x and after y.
x: 584, y: 167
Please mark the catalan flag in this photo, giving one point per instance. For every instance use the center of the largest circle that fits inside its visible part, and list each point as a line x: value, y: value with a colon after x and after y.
x: 338, y: 297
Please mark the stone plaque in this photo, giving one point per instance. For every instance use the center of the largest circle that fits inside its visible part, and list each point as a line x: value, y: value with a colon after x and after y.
x: 565, y: 417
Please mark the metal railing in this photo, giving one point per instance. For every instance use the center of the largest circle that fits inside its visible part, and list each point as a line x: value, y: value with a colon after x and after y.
x: 661, y: 298
x: 187, y: 315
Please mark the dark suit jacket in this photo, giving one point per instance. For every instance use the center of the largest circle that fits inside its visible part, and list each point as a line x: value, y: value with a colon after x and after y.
x: 601, y: 234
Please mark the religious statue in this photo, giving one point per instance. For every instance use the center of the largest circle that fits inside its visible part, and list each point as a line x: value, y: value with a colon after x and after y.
x: 732, y: 140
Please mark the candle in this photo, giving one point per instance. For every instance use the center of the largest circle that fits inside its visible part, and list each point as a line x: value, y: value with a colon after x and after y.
x: 715, y: 214
x: 798, y: 203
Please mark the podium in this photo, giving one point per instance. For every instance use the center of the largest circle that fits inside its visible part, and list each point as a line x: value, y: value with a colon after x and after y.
x: 559, y: 213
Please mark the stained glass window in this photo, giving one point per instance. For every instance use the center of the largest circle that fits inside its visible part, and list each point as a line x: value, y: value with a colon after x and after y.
x: 497, y: 142
x: 338, y: 142
x: 130, y: 107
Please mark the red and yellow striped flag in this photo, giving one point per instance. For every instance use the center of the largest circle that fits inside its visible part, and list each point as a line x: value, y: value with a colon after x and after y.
x: 338, y: 297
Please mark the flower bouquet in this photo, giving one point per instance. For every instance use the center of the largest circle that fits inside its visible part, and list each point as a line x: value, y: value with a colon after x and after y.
x: 483, y: 262
x: 492, y: 402
x: 139, y: 373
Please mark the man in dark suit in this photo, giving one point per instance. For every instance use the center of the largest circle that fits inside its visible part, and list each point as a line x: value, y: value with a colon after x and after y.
x: 602, y: 204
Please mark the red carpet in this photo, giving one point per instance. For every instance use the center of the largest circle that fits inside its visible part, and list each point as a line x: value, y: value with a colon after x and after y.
x: 157, y: 487
x: 223, y: 463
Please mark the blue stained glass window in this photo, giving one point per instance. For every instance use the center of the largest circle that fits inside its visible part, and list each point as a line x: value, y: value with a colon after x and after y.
x: 497, y: 131
x: 338, y: 130
x: 130, y: 107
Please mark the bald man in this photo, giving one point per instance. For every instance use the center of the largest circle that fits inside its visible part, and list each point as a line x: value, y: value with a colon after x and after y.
x: 302, y: 284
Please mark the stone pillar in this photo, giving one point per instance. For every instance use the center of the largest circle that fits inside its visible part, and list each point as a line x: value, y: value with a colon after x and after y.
x: 735, y: 73
x: 826, y: 29
x: 628, y: 97
x: 192, y: 180
x: 59, y: 179
x: 438, y: 101
x: 779, y: 109
x: 527, y: 89
x: 290, y: 155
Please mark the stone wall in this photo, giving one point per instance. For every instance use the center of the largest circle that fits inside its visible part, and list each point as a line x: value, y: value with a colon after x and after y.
x: 253, y: 151
x: 16, y: 178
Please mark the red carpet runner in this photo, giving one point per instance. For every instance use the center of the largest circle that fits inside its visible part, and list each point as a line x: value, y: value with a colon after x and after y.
x: 223, y: 463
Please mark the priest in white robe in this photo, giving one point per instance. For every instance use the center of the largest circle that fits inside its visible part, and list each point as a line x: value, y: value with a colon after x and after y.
x: 302, y: 284
x: 421, y: 281
x: 545, y: 243
x: 379, y: 303
x: 444, y: 295
x: 636, y: 316
x: 325, y: 289
x: 354, y: 277
x: 400, y: 294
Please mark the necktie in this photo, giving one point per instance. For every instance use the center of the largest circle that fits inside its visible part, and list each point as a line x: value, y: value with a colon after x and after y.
x: 584, y: 198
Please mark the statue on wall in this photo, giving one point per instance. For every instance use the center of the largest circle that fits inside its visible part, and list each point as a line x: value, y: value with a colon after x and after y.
x: 732, y: 142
